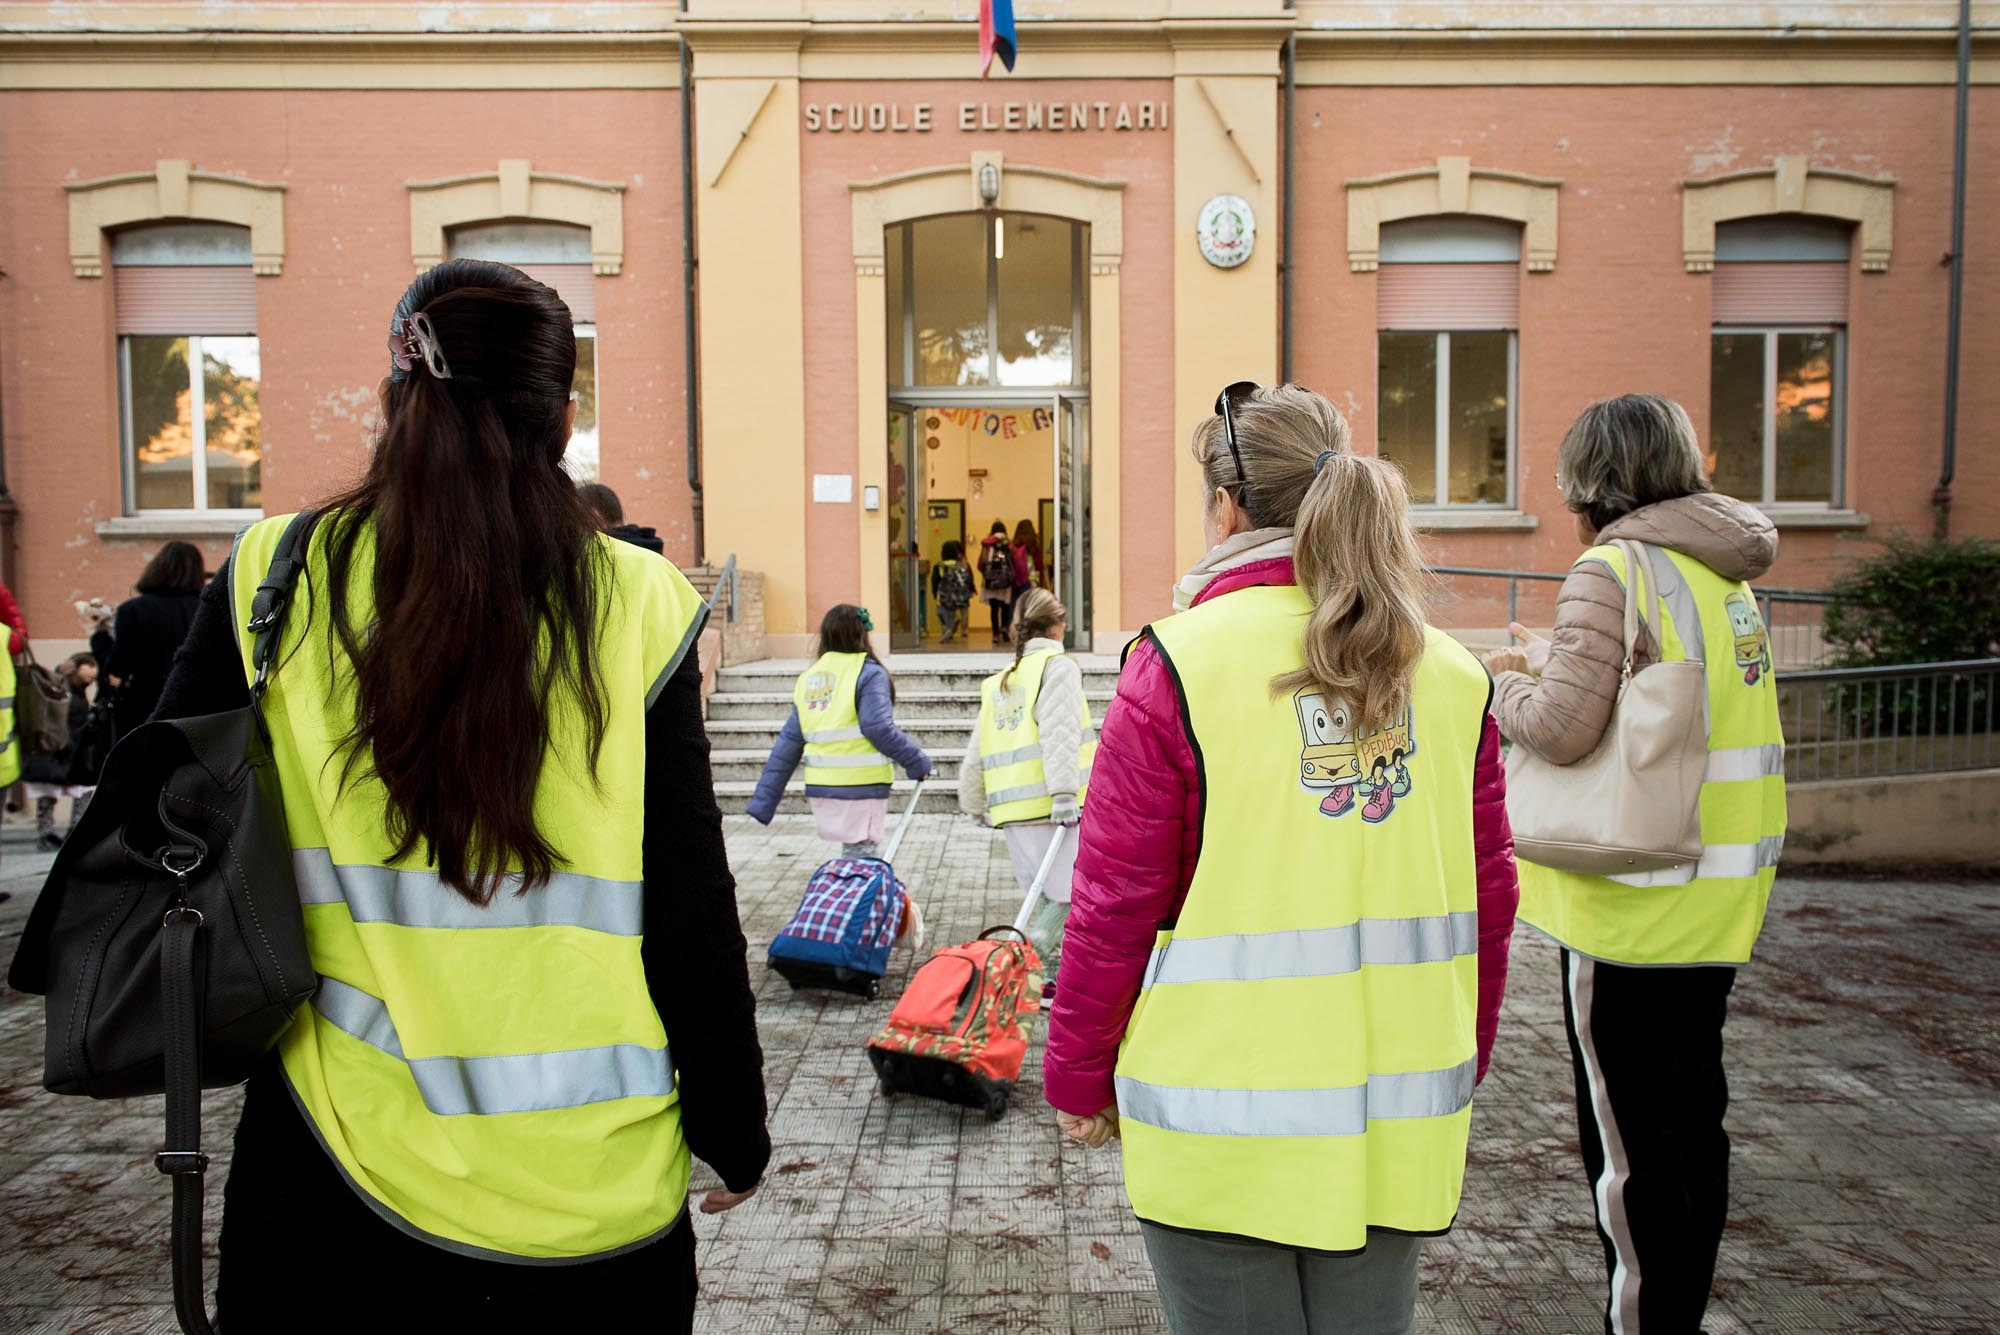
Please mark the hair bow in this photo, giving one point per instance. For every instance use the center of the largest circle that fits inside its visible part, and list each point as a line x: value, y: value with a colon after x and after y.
x: 415, y: 341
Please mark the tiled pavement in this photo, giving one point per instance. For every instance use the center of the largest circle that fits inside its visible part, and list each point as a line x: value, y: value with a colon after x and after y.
x: 1864, y: 1052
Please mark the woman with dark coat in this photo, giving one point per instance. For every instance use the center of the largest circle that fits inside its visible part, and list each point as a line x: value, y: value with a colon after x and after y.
x: 148, y: 630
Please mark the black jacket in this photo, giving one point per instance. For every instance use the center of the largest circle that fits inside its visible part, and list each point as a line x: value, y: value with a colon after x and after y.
x: 146, y: 634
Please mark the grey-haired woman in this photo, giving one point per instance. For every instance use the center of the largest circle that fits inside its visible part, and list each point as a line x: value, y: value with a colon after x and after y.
x: 1649, y: 959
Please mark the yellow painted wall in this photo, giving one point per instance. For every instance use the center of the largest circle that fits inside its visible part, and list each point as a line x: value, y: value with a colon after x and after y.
x: 752, y: 328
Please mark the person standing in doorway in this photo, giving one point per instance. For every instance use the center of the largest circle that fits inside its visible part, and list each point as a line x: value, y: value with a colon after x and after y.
x: 1027, y: 763
x: 1027, y: 554
x: 1648, y: 960
x: 843, y: 727
x: 147, y: 630
x: 996, y: 578
x: 1285, y: 960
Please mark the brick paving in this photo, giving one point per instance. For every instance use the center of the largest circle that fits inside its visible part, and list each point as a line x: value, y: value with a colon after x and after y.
x: 1864, y: 1052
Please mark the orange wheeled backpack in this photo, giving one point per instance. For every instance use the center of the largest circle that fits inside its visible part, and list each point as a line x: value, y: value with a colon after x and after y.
x: 959, y: 1031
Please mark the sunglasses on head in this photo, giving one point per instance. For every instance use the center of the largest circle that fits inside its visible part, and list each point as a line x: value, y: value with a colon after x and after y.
x: 1225, y: 408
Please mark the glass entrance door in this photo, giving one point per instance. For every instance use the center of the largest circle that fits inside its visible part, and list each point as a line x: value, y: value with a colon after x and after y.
x: 1068, y: 538
x: 906, y: 604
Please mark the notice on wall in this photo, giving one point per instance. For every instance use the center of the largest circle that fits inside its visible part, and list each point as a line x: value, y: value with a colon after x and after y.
x: 971, y: 117
x: 833, y: 488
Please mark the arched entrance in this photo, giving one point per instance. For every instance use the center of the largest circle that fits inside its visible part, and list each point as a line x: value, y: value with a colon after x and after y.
x: 991, y: 376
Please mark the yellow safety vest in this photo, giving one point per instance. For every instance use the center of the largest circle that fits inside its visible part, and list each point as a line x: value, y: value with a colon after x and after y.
x: 1299, y: 1065
x: 494, y: 1080
x: 1708, y: 912
x: 837, y: 755
x: 1010, y: 745
x: 10, y: 745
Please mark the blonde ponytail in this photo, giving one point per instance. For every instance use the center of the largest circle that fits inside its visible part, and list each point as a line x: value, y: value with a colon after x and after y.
x: 1038, y: 612
x: 1356, y: 557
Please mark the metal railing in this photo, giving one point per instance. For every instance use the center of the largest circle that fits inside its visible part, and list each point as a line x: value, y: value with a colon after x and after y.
x: 1927, y: 718
x: 1795, y: 618
x: 726, y: 586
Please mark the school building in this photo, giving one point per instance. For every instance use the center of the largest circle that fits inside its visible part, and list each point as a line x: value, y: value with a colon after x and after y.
x: 840, y: 301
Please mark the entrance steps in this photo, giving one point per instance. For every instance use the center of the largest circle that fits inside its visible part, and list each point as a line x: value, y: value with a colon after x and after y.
x: 937, y: 701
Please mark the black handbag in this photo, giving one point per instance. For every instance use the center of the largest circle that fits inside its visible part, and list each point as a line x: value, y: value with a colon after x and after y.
x: 168, y: 938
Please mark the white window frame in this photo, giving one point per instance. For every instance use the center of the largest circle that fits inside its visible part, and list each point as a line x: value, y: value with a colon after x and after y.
x: 1767, y: 500
x: 589, y: 331
x: 128, y: 453
x: 1441, y: 420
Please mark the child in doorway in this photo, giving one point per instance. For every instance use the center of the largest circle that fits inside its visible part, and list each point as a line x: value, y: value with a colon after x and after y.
x: 843, y: 728
x: 1027, y: 764
x: 72, y: 771
x: 951, y: 588
x: 996, y: 575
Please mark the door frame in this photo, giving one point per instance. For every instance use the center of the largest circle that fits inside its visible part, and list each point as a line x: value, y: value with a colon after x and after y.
x: 953, y: 187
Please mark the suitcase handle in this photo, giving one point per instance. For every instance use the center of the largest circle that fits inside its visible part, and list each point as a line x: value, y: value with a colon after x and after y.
x: 903, y: 824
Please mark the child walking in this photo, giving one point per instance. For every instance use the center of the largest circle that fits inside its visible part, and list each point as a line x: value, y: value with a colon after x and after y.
x: 996, y: 575
x: 72, y: 771
x: 951, y: 588
x: 1027, y: 764
x: 843, y: 727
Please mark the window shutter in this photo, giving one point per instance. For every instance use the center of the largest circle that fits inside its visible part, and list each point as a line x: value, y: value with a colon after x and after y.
x: 1448, y: 296
x: 1757, y: 293
x: 574, y: 283
x: 185, y: 299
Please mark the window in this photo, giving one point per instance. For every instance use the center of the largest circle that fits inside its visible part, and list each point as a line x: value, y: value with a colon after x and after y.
x: 986, y: 299
x: 559, y: 255
x: 1447, y: 308
x: 1776, y: 360
x: 189, y: 368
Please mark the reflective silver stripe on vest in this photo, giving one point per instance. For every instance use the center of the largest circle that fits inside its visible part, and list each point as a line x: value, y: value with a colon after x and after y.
x: 420, y: 899
x: 871, y: 760
x: 1679, y: 598
x: 828, y: 736
x: 1341, y: 1111
x: 6, y: 702
x: 1313, y: 952
x: 1015, y: 757
x: 688, y: 637
x: 1733, y: 861
x: 486, y: 1086
x: 1020, y: 793
x: 1742, y: 763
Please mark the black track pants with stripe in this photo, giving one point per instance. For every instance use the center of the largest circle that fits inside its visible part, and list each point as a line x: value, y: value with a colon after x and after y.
x: 1646, y: 1046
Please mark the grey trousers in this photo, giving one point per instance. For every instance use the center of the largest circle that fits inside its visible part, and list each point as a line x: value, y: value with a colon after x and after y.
x: 1209, y: 1286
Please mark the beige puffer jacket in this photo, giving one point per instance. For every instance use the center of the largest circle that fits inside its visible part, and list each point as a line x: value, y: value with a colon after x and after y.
x: 1562, y: 715
x: 1058, y: 719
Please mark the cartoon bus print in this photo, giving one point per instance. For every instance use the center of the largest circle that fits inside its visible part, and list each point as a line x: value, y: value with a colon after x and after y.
x: 819, y: 688
x: 1752, y: 641
x: 1352, y: 768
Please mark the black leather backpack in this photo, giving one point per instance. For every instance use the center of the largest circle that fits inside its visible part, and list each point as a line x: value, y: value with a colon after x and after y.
x: 168, y: 938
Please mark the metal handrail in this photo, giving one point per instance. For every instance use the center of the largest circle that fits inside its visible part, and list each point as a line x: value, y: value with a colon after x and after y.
x: 727, y: 576
x: 1898, y: 670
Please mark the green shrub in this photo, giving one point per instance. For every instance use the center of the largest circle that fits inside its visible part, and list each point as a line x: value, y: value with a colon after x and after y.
x: 1918, y: 602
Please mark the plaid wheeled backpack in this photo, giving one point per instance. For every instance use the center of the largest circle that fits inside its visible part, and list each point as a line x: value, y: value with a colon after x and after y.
x: 959, y: 1031
x: 846, y: 923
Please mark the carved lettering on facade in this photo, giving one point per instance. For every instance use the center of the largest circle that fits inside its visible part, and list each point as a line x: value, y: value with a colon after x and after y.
x: 985, y: 117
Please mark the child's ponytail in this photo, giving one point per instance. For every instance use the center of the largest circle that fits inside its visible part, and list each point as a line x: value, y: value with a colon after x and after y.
x: 1356, y: 557
x: 1038, y: 612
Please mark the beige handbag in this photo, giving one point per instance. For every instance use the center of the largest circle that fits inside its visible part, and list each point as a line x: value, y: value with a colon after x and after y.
x: 1634, y: 803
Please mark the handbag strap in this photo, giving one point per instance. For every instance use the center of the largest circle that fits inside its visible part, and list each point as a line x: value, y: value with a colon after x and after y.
x: 1635, y: 568
x: 183, y: 985
x: 180, y: 1028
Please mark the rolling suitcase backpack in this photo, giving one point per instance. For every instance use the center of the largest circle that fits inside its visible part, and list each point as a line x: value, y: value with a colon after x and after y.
x: 847, y: 922
x: 959, y: 1031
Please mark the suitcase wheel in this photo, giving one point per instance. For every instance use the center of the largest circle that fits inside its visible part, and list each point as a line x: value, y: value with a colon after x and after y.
x: 888, y: 1090
x: 996, y: 1105
x: 874, y: 988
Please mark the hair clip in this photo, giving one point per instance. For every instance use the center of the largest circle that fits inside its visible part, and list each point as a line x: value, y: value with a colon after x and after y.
x: 867, y: 622
x: 415, y: 340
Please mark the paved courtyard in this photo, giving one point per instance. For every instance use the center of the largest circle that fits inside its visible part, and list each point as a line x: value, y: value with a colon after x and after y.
x: 1864, y: 1059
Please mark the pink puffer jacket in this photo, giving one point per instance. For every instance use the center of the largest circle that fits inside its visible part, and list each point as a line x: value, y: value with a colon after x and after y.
x: 1141, y: 837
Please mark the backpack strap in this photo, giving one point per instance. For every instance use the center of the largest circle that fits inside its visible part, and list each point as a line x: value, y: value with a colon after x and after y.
x: 274, y: 599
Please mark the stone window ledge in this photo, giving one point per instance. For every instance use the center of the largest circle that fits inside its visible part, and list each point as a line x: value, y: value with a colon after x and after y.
x: 1473, y: 519
x: 193, y: 524
x: 1787, y: 517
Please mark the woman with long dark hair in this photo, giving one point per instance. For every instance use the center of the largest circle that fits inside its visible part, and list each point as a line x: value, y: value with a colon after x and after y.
x: 147, y: 630
x: 486, y: 719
